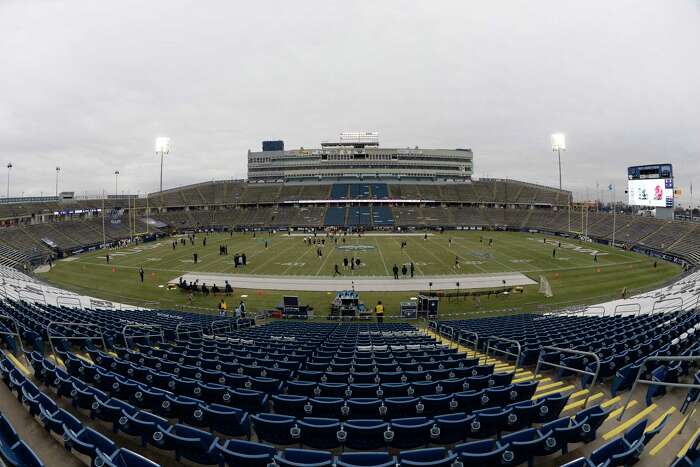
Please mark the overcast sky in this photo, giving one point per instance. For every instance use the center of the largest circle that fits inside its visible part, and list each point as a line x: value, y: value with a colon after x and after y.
x: 87, y: 85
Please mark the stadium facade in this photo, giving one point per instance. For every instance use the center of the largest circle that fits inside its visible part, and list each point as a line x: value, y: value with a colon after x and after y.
x: 358, y: 156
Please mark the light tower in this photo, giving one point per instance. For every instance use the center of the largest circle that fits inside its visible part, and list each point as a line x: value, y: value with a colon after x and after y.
x: 116, y: 183
x: 559, y: 145
x: 162, y: 149
x: 9, y: 166
x: 58, y: 170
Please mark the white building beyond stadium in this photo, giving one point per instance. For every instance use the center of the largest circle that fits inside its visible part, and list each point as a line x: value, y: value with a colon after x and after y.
x: 358, y: 156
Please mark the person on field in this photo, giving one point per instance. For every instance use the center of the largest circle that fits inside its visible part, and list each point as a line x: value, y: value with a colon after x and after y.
x: 222, y: 307
x: 336, y: 271
x: 141, y: 273
x: 345, y: 263
x: 554, y: 253
x: 107, y: 258
x: 412, y: 269
x: 404, y: 270
x: 195, y: 257
x: 395, y: 269
x: 379, y: 311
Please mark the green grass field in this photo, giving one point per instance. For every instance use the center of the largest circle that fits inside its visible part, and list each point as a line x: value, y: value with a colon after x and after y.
x: 573, y: 275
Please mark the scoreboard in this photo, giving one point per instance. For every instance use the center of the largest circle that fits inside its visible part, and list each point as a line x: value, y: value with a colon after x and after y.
x: 650, y: 185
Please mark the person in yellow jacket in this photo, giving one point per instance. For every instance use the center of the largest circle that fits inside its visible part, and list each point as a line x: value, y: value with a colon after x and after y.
x: 222, y: 307
x: 379, y: 311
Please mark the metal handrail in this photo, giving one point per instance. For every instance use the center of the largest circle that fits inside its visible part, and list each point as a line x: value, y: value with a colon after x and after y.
x: 188, y: 333
x: 475, y: 342
x: 541, y: 362
x: 143, y: 336
x: 16, y: 333
x: 73, y: 323
x: 505, y: 352
x: 62, y: 300
x: 34, y: 297
x: 219, y: 324
x: 451, y: 333
x: 674, y: 299
x: 662, y: 358
x: 636, y: 305
x: 594, y: 307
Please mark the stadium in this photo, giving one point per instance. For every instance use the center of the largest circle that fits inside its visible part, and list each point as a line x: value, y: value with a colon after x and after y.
x: 497, y: 265
x: 120, y: 326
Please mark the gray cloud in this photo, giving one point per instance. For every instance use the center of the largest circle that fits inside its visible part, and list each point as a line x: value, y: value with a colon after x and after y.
x: 87, y: 85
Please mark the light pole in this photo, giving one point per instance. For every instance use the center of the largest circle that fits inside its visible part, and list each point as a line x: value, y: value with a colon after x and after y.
x: 116, y: 183
x: 9, y: 166
x: 559, y: 145
x: 162, y: 149
x: 58, y: 169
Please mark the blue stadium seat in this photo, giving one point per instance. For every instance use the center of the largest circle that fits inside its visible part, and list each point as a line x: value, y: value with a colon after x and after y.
x: 111, y: 410
x: 692, y: 456
x: 552, y: 407
x: 412, y: 432
x: 21, y: 455
x: 320, y: 433
x: 454, y: 427
x: 326, y: 407
x: 226, y: 420
x: 624, y: 450
x: 286, y: 404
x: 366, y: 434
x: 524, y: 413
x: 436, y: 404
x: 485, y: 453
x: 364, y: 408
x: 55, y: 421
x: 88, y: 442
x: 124, y: 458
x: 366, y: 459
x: 303, y: 458
x: 142, y: 424
x: 428, y: 457
x: 489, y: 422
x: 584, y: 425
x: 238, y: 453
x: 191, y: 443
x: 276, y: 429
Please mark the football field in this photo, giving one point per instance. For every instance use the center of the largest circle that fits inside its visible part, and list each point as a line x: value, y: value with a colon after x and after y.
x: 578, y: 272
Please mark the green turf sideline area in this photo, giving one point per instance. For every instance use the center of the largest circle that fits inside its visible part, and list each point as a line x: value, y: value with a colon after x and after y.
x: 574, y: 276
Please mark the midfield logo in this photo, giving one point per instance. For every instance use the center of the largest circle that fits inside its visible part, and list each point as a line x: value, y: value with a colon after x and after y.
x: 356, y: 247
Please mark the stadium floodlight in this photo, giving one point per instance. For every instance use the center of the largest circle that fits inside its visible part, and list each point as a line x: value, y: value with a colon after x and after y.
x: 162, y: 149
x: 116, y: 183
x: 559, y: 145
x: 58, y: 170
x: 9, y: 166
